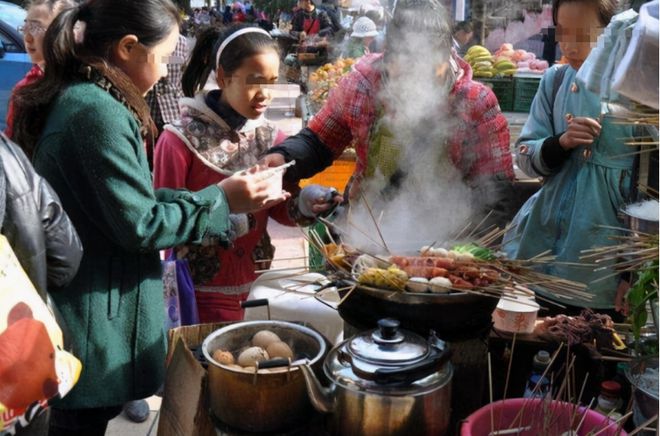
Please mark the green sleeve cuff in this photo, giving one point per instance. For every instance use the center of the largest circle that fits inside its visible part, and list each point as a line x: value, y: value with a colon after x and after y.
x: 218, y: 220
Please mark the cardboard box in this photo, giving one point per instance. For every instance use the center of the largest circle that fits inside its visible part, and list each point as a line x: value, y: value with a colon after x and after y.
x: 184, y: 410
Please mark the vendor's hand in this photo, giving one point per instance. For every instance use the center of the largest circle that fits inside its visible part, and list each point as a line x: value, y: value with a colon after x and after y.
x: 302, y: 36
x: 246, y: 191
x: 272, y: 160
x: 581, y: 131
x: 315, y: 200
x: 620, y: 301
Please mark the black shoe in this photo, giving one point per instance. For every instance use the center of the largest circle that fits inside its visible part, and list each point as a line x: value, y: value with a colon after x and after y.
x: 137, y: 410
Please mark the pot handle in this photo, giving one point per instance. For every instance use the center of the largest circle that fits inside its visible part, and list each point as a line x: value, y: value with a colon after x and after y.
x: 413, y: 372
x: 256, y: 303
x: 273, y: 363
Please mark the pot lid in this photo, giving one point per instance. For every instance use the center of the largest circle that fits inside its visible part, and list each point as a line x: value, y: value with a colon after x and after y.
x: 388, y: 345
x: 389, y: 358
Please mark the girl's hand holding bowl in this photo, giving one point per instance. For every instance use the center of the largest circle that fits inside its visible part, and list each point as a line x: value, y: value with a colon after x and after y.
x: 253, y: 189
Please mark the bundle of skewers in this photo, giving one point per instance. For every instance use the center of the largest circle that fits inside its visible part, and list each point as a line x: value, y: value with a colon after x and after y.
x: 633, y: 251
x: 565, y: 409
x: 469, y: 267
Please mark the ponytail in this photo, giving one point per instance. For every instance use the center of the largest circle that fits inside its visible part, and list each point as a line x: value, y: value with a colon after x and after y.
x: 201, y: 62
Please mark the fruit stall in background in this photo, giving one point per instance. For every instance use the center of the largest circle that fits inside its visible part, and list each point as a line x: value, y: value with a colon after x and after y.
x: 513, y: 75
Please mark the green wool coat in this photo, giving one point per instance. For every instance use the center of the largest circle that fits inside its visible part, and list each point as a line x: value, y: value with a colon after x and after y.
x: 92, y: 154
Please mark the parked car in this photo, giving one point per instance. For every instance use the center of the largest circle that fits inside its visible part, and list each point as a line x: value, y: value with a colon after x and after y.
x: 14, y: 60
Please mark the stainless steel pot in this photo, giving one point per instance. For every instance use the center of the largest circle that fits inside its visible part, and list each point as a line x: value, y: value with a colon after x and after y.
x: 386, y: 381
x: 266, y: 400
x: 454, y: 317
x: 637, y: 224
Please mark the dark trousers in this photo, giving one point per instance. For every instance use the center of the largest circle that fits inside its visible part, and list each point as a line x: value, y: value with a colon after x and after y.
x: 81, y: 422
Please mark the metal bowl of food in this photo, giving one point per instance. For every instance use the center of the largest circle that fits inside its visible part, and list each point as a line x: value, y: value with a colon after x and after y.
x: 254, y: 399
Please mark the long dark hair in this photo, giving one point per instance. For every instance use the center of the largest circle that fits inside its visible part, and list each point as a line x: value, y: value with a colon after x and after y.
x: 104, y: 23
x: 202, y: 59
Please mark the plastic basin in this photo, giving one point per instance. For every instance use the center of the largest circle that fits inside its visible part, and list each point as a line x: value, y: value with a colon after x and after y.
x: 537, y: 416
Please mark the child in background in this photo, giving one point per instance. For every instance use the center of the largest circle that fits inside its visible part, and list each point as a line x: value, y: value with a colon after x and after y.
x: 583, y: 159
x: 364, y: 32
x: 222, y: 132
x: 39, y: 16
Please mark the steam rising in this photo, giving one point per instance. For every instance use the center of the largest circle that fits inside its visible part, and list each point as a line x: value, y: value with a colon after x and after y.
x: 432, y: 203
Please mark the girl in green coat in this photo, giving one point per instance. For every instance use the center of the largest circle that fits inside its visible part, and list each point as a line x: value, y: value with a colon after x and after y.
x: 85, y: 125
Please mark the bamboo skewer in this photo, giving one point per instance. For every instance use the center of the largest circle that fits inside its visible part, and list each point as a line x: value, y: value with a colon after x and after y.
x: 609, y: 425
x: 366, y: 203
x: 538, y: 384
x: 584, y: 415
x: 644, y: 424
x: 490, y: 394
x: 341, y: 230
x: 508, y: 373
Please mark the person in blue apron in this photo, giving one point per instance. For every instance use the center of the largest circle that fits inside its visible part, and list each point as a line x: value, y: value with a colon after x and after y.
x: 585, y: 164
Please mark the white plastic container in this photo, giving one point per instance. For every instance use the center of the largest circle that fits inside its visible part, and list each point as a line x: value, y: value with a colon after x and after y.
x: 274, y: 178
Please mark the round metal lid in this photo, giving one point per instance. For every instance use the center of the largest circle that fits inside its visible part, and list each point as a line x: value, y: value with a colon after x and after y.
x: 388, y: 346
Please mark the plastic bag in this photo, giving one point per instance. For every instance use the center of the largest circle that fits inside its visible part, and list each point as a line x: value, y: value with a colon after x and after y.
x: 179, y: 293
x: 637, y: 75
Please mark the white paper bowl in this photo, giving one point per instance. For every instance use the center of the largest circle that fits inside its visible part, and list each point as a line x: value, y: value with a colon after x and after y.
x: 515, y: 315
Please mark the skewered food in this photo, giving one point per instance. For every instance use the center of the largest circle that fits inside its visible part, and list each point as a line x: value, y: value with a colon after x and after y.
x: 391, y: 277
x: 586, y: 327
x: 417, y: 284
x: 462, y: 273
x: 440, y: 285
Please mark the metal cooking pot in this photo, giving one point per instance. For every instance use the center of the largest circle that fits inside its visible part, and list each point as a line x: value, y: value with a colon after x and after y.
x: 454, y: 317
x: 637, y: 224
x: 265, y: 400
x: 386, y: 381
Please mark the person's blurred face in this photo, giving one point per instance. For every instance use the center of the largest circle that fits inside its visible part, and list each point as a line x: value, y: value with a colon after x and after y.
x: 306, y: 5
x: 463, y: 37
x: 146, y: 65
x: 578, y: 28
x: 248, y: 89
x: 37, y: 21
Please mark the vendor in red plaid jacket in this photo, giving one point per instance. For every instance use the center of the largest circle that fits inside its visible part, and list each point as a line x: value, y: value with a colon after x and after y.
x: 476, y: 139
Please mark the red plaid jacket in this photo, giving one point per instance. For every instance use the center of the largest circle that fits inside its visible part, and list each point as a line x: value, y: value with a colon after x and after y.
x: 479, y: 145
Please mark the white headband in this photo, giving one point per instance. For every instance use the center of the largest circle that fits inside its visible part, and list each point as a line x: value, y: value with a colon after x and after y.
x: 235, y: 35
